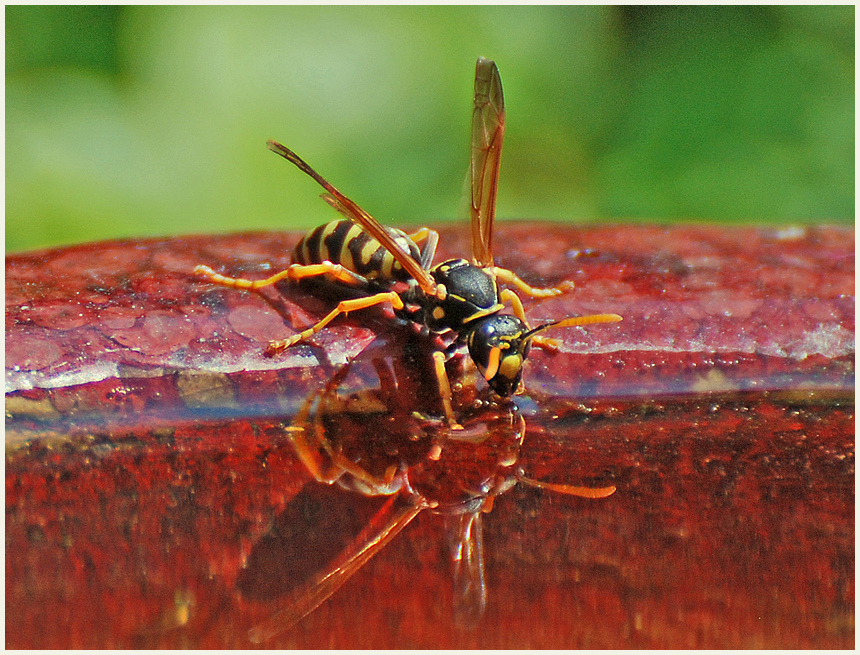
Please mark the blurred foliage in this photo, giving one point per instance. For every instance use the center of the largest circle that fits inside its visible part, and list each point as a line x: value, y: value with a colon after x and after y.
x: 126, y: 121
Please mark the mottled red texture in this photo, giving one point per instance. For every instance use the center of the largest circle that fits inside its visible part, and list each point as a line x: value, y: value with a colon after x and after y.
x: 147, y: 460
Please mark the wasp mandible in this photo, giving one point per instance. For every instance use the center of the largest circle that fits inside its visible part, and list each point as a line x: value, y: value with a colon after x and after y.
x: 387, y: 266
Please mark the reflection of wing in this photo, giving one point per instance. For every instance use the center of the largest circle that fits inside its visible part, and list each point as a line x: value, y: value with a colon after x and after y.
x: 467, y: 553
x: 356, y: 214
x: 385, y: 525
x: 488, y: 130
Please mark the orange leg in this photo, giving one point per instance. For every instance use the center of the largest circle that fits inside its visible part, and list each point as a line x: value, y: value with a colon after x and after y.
x: 567, y: 489
x: 313, y: 455
x: 343, y: 307
x: 294, y: 272
x: 547, y: 343
x: 509, y: 277
x: 516, y: 304
x: 550, y: 343
x: 445, y: 393
x: 420, y: 235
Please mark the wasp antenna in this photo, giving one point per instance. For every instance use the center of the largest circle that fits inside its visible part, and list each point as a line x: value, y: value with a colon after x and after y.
x: 574, y: 321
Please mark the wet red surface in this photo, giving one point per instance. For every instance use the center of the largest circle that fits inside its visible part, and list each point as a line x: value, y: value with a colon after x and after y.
x: 150, y: 480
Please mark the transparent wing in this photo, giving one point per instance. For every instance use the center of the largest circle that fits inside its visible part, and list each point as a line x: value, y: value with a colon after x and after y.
x: 385, y: 525
x: 356, y: 214
x: 488, y: 130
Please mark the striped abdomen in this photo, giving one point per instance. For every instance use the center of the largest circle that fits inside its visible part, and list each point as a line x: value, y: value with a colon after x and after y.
x: 345, y: 243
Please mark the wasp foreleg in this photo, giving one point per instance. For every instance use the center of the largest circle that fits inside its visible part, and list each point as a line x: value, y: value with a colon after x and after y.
x: 547, y: 343
x: 516, y: 304
x: 444, y: 391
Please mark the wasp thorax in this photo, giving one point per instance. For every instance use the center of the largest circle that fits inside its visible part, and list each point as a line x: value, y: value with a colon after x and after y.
x: 470, y: 294
x: 498, y: 348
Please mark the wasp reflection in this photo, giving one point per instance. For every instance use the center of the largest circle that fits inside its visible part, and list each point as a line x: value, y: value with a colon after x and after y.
x: 373, y: 430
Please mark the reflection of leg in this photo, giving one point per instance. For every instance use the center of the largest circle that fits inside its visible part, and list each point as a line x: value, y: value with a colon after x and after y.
x: 314, y: 456
x: 567, y: 489
x: 318, y: 465
x: 322, y: 460
x: 344, y: 307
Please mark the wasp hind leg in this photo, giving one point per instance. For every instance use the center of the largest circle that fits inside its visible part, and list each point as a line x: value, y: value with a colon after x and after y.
x: 294, y: 272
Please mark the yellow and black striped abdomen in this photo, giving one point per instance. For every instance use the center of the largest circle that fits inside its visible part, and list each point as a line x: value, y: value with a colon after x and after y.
x: 345, y: 243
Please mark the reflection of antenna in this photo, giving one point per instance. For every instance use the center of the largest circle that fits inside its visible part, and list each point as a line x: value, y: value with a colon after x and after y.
x: 568, y: 489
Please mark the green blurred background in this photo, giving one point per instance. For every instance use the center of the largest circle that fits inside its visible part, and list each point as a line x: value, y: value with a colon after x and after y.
x: 127, y: 121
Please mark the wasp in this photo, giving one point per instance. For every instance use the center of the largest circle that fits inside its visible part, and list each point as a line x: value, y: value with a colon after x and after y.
x: 389, y: 266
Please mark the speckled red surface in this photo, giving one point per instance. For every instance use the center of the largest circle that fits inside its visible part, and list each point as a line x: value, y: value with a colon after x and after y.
x: 148, y: 471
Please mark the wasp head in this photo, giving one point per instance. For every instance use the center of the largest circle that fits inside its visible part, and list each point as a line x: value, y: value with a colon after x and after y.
x: 499, y: 344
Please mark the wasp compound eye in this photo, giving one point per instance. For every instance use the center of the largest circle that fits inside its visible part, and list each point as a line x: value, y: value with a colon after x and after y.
x: 498, y: 349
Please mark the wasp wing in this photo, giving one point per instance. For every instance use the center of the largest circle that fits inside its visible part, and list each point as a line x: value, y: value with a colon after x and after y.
x: 488, y: 131
x: 356, y: 214
x: 385, y: 525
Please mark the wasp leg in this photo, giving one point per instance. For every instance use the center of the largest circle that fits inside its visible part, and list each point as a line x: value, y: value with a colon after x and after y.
x: 509, y: 277
x: 547, y: 343
x: 294, y: 272
x: 516, y: 304
x: 445, y: 393
x: 344, y: 307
